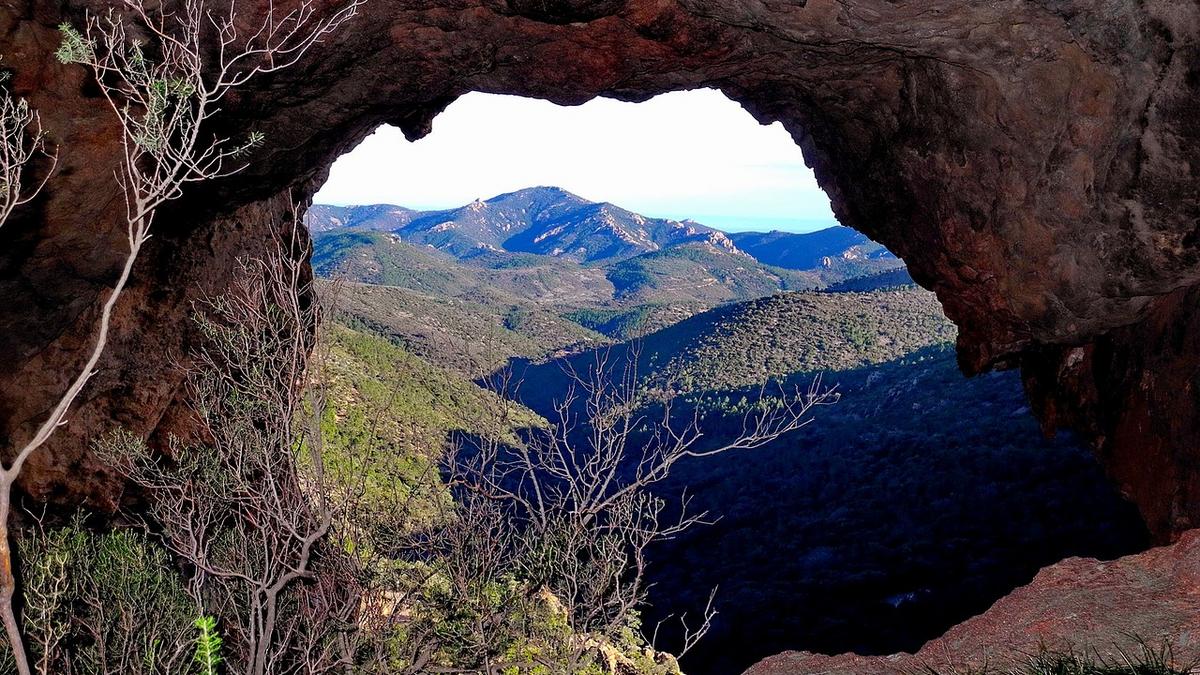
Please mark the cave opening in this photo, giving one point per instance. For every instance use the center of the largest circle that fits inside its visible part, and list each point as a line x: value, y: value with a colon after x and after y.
x: 914, y: 503
x: 1029, y: 163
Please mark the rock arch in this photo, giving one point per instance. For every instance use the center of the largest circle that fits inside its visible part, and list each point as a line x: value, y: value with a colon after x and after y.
x: 1034, y: 161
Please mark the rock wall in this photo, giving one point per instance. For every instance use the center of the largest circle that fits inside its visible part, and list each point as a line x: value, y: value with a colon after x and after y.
x: 1134, y: 391
x: 1034, y: 161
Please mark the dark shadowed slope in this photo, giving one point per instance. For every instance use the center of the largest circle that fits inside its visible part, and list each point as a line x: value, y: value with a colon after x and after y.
x: 913, y: 503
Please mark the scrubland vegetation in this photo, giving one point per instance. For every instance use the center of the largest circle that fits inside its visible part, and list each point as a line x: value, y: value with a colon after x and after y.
x: 312, y: 530
x: 472, y: 336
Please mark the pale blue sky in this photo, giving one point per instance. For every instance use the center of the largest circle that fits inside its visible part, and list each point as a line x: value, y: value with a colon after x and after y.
x: 692, y: 154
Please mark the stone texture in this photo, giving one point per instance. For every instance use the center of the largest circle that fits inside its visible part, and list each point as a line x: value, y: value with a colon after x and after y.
x: 1034, y: 161
x: 1134, y: 391
x: 1079, y: 603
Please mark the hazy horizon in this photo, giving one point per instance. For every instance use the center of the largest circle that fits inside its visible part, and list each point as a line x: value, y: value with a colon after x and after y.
x: 686, y: 155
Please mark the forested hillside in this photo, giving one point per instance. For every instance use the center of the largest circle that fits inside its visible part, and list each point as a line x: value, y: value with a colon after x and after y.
x: 913, y: 499
x: 835, y: 251
x: 911, y: 504
x: 383, y: 258
x: 897, y: 278
x: 626, y: 323
x: 744, y: 343
x: 470, y: 336
x: 701, y: 271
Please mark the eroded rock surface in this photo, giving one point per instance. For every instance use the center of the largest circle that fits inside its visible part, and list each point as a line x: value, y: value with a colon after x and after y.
x: 1082, y: 604
x: 1034, y: 161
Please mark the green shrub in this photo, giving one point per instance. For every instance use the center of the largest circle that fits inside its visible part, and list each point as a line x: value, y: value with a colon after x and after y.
x: 208, y: 645
x: 103, y: 603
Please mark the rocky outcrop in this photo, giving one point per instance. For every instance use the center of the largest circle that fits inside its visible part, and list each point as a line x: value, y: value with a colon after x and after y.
x: 1135, y: 391
x: 1079, y: 604
x: 1034, y: 161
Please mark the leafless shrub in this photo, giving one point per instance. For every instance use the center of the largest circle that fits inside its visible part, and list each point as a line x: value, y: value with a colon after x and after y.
x: 250, y: 511
x: 162, y: 103
x: 22, y: 142
x: 572, y: 512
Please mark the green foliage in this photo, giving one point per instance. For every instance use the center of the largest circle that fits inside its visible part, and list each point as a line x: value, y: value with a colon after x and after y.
x: 207, y: 654
x: 525, y: 627
x: 379, y: 387
x: 254, y: 140
x: 75, y: 47
x: 103, y: 602
x: 395, y: 411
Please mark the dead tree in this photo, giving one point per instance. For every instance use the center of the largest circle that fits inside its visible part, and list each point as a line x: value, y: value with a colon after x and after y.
x: 22, y: 141
x: 577, y: 495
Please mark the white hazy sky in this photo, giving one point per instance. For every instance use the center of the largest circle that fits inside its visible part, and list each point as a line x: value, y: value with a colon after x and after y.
x: 692, y: 154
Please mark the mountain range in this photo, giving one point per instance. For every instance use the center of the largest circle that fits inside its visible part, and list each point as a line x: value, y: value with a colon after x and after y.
x: 542, y: 220
x: 547, y: 244
x: 843, y: 523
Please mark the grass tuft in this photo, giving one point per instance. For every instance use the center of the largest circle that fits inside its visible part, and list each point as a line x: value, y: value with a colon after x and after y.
x: 1145, y: 660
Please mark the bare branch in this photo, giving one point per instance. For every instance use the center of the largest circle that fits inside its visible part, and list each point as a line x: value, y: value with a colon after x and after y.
x: 22, y: 142
x: 578, y: 496
x: 163, y: 107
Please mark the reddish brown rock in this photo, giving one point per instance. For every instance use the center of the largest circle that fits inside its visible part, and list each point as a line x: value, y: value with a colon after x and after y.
x: 1134, y: 392
x: 1079, y: 604
x: 1034, y: 161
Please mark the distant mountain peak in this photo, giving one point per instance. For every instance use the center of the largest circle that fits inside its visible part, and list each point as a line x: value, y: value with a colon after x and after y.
x: 552, y: 221
x: 546, y: 191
